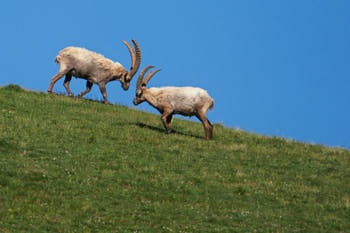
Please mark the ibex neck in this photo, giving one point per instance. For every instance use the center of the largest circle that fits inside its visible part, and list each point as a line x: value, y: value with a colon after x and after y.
x: 153, y: 97
x: 118, y: 71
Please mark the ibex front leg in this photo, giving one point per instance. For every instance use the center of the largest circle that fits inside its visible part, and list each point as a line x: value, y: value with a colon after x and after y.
x: 166, y: 119
x: 103, y: 91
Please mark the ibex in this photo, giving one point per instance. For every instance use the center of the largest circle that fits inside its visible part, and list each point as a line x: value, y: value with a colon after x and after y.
x: 187, y: 101
x: 95, y: 68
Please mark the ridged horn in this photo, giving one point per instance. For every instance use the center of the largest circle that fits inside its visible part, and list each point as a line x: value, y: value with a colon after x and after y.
x: 135, y: 58
x: 138, y: 55
x: 149, y: 76
x: 143, y: 72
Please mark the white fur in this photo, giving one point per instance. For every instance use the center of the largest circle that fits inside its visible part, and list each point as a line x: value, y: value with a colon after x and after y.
x: 187, y: 101
x: 95, y: 68
x: 182, y: 100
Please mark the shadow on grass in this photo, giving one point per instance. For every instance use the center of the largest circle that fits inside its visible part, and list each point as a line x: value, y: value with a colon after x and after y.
x: 161, y: 130
x: 76, y: 97
x: 87, y: 99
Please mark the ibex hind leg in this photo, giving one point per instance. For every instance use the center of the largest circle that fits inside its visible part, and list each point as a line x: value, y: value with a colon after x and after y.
x: 66, y: 84
x: 210, y: 126
x: 206, y: 125
x: 210, y: 129
x: 63, y: 71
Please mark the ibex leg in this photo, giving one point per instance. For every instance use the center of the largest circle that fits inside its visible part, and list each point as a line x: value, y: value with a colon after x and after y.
x: 63, y: 70
x: 88, y: 89
x: 66, y: 84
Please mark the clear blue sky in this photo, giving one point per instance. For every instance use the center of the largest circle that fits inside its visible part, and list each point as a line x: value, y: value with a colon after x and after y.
x: 273, y: 67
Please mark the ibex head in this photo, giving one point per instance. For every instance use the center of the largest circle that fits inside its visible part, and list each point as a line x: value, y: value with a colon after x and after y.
x: 135, y: 63
x: 141, y: 84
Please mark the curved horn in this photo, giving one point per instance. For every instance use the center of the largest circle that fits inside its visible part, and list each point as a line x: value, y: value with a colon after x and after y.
x: 135, y: 58
x: 132, y: 53
x: 149, y: 76
x: 138, y: 55
x: 143, y: 72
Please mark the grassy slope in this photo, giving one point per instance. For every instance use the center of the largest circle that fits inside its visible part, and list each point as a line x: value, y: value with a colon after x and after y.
x: 76, y: 165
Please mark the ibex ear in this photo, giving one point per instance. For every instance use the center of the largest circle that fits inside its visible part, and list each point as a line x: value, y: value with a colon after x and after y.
x: 139, y: 93
x: 126, y: 77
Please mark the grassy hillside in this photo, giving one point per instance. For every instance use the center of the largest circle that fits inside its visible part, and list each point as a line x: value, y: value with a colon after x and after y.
x: 74, y: 165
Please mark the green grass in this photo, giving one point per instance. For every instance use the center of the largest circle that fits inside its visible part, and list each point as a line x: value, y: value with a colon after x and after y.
x: 75, y: 165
